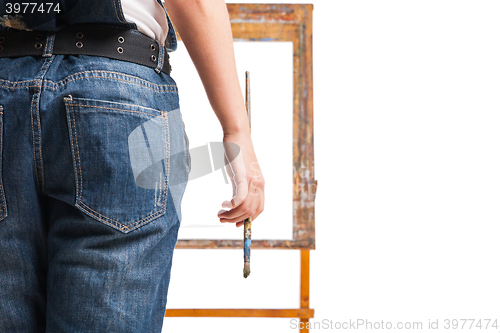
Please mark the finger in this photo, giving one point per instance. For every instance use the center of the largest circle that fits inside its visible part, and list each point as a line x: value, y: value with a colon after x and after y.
x: 255, y: 198
x: 260, y: 209
x: 239, y: 211
x: 242, y: 212
x: 238, y: 214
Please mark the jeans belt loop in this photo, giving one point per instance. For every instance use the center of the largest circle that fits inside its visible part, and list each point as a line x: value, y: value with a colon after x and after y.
x: 49, y: 45
x: 161, y: 56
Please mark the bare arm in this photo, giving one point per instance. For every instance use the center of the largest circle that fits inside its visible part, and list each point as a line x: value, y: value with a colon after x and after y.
x: 206, y: 31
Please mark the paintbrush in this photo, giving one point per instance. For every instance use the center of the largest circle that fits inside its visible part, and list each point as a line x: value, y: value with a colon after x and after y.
x: 247, y: 229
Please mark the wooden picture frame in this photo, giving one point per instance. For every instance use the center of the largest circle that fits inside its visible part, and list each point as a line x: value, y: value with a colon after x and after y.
x: 293, y: 23
x: 280, y: 22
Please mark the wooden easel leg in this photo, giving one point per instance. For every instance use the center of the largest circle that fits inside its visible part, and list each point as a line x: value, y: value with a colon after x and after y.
x: 304, y: 313
x: 303, y: 325
x: 304, y: 288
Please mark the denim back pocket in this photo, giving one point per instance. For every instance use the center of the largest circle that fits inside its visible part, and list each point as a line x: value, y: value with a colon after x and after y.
x: 121, y: 159
x: 3, y: 205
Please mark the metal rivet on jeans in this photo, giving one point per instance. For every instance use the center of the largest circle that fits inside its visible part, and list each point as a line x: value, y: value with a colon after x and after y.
x: 38, y: 45
x: 79, y: 45
x: 153, y: 47
x: 38, y: 37
x: 79, y: 35
x: 153, y: 57
x: 120, y: 49
x: 121, y: 39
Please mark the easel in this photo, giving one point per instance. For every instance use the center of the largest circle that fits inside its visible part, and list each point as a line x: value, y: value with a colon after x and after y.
x: 304, y: 313
x: 279, y: 22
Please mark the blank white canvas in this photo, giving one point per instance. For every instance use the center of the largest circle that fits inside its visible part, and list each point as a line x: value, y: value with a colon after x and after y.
x: 271, y: 78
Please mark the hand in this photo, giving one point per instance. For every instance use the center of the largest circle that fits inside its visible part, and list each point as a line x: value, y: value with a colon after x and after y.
x: 246, y: 178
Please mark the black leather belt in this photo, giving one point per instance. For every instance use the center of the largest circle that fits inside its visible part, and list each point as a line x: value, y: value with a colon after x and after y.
x: 94, y: 40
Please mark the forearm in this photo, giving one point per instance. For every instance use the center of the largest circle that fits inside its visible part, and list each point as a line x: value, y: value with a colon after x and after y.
x: 205, y: 30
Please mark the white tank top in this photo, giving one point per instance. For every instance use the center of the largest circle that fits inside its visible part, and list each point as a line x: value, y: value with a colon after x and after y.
x: 149, y: 17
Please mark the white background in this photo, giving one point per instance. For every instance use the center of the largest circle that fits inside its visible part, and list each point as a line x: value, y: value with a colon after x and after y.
x: 407, y: 118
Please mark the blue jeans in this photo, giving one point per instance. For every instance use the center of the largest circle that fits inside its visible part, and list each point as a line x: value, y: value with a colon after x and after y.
x: 94, y: 165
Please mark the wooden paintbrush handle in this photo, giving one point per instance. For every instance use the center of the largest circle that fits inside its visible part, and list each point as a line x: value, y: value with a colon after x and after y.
x: 247, y: 238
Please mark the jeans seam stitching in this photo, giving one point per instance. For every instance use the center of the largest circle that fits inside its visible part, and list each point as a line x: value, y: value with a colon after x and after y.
x: 42, y: 73
x: 40, y: 140
x: 49, y: 46
x: 70, y: 113
x: 54, y: 88
x: 111, y: 78
x: 116, y: 109
x: 119, y: 14
x: 167, y: 156
x: 116, y: 73
x: 187, y: 157
x: 93, y: 72
x: 78, y: 163
x: 1, y: 175
x: 16, y: 82
x: 33, y: 137
x: 105, y: 218
x: 61, y: 83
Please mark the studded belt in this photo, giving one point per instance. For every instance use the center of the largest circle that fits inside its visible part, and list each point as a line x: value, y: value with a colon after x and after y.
x: 93, y: 40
